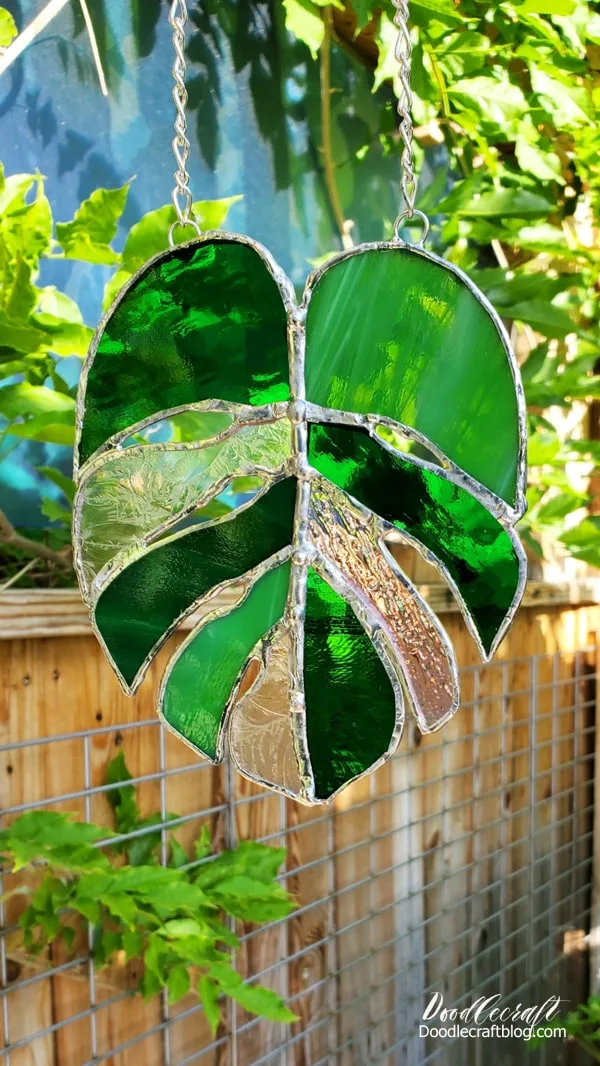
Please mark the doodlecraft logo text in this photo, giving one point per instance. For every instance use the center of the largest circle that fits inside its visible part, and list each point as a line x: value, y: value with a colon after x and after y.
x: 488, y: 1019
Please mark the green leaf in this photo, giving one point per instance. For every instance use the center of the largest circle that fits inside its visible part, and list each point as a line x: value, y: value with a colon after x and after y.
x: 445, y: 10
x: 68, y: 935
x: 547, y: 7
x: 584, y: 540
x: 21, y: 294
x: 177, y: 854
x: 133, y: 943
x: 468, y: 41
x: 13, y: 193
x: 19, y: 337
x: 183, y: 927
x: 544, y: 165
x: 89, y: 908
x: 363, y: 9
x: 106, y: 943
x: 305, y: 23
x: 212, y: 214
x: 260, y: 860
x: 209, y: 992
x: 25, y: 399
x: 8, y: 28
x: 550, y: 320
x: 556, y: 509
x: 504, y: 203
x: 495, y: 99
x: 542, y: 447
x: 150, y: 236
x: 566, y: 103
x: 89, y: 235
x: 59, y: 428
x: 64, y: 483
x: 64, y: 338
x: 178, y: 983
x: 151, y: 984
x: 261, y: 1001
x: 203, y: 843
x: 543, y: 237
x: 387, y: 64
x: 122, y: 800
x: 121, y: 906
x: 142, y: 848
x: 53, y: 510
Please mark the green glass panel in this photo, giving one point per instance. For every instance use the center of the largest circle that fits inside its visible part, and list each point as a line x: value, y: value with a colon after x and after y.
x: 392, y: 333
x: 204, y: 322
x: 204, y: 673
x: 350, y: 705
x: 145, y: 600
x: 446, y: 519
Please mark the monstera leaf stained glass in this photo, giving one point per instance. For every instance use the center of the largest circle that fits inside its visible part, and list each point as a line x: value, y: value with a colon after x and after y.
x: 248, y: 456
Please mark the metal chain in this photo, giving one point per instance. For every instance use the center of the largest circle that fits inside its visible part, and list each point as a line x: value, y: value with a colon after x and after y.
x: 403, y: 53
x: 182, y: 197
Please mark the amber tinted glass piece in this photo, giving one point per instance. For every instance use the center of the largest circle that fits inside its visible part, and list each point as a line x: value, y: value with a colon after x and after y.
x: 351, y: 540
x: 145, y: 601
x: 459, y: 531
x: 350, y: 702
x: 390, y: 332
x: 205, y: 321
x: 261, y: 738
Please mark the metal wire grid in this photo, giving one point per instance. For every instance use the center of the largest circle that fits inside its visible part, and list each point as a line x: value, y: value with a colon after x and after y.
x: 386, y: 915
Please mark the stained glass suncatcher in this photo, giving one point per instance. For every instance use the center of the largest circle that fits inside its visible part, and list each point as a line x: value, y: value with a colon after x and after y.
x: 232, y: 440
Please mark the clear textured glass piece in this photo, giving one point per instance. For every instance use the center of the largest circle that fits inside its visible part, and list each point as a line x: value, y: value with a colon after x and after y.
x: 128, y: 498
x: 180, y: 428
x: 261, y: 735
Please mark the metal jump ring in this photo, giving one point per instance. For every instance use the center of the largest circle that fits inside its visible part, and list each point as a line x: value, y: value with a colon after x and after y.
x: 410, y: 215
x: 188, y: 222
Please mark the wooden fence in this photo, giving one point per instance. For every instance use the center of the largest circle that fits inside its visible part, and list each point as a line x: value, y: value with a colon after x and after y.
x: 462, y: 866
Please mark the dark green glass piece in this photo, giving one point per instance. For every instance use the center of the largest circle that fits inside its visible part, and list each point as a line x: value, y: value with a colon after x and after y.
x: 205, y: 321
x: 476, y: 550
x: 145, y: 601
x: 389, y: 332
x: 204, y: 673
x: 350, y: 705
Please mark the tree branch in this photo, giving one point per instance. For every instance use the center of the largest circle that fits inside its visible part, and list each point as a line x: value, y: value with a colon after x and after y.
x: 9, y: 535
x: 330, y: 182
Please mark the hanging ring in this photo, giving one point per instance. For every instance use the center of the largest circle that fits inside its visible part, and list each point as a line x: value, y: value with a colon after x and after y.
x: 409, y: 215
x: 182, y: 224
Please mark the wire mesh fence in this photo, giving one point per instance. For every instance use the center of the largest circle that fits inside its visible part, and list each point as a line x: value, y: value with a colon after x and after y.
x: 462, y: 868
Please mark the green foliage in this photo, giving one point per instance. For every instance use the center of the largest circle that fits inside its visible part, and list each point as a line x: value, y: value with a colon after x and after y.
x: 582, y: 1026
x: 40, y: 326
x: 170, y: 916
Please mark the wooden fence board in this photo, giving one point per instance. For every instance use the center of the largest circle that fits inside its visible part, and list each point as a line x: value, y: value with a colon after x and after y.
x: 374, y: 929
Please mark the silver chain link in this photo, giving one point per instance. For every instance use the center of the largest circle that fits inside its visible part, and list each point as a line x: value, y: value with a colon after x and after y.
x: 408, y: 184
x: 182, y: 197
